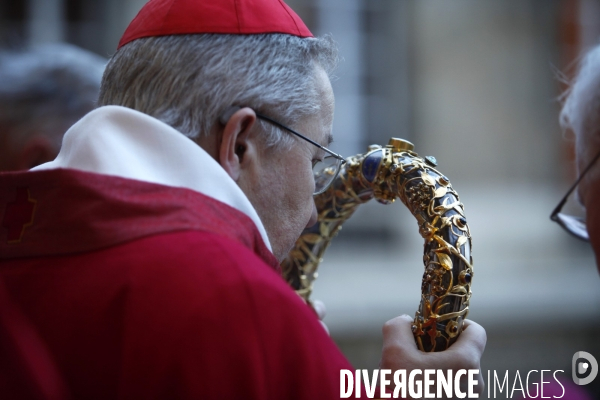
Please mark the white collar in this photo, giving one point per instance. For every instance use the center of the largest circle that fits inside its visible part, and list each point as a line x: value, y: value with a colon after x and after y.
x: 119, y: 141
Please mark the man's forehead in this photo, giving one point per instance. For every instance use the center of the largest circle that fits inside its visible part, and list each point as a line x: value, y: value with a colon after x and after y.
x: 322, y: 132
x: 321, y: 135
x: 324, y: 118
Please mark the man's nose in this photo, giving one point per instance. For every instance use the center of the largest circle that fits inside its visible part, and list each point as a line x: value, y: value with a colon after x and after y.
x: 313, y: 217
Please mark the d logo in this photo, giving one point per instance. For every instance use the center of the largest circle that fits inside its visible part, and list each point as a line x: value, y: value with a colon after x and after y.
x: 584, y: 364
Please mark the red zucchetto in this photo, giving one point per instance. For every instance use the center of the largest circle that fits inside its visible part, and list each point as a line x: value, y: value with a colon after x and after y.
x: 177, y: 17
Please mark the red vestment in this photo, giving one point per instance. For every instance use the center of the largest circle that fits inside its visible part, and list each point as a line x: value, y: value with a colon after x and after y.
x: 140, y: 290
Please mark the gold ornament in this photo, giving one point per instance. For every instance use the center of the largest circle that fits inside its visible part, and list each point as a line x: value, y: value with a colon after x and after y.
x: 387, y: 173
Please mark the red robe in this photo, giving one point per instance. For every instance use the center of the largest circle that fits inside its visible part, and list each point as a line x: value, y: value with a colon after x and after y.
x: 140, y: 290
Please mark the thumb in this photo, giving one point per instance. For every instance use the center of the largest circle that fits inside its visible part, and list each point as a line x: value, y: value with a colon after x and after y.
x: 472, y: 340
x: 399, y: 331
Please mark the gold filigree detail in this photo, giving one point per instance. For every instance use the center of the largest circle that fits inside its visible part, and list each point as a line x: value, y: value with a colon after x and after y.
x: 429, y: 195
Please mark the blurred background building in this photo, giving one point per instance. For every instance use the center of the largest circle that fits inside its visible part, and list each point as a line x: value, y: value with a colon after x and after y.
x: 474, y: 83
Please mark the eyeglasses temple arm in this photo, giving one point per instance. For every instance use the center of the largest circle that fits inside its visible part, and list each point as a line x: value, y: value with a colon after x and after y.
x: 564, y: 200
x: 339, y: 157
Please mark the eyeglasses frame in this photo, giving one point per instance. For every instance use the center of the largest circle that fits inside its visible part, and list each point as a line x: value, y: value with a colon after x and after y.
x: 558, y: 208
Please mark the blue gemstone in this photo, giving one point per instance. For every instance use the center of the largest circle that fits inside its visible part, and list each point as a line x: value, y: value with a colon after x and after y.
x: 371, y: 164
x: 431, y: 161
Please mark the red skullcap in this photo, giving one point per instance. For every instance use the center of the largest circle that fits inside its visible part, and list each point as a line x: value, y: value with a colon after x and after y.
x: 176, y: 17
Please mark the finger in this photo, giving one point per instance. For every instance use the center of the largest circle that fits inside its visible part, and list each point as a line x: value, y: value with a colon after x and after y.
x: 480, y: 383
x: 399, y: 347
x: 398, y: 331
x: 466, y: 352
x: 319, y: 308
x: 473, y: 338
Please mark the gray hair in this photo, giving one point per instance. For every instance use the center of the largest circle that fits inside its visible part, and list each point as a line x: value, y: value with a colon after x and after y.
x: 188, y: 81
x: 581, y: 109
x: 46, y: 89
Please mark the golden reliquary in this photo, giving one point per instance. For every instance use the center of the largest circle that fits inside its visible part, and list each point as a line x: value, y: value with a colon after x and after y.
x: 386, y: 173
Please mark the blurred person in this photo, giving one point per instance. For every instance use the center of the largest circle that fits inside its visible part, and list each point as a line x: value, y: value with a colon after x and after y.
x: 147, y: 253
x: 581, y: 114
x: 43, y: 91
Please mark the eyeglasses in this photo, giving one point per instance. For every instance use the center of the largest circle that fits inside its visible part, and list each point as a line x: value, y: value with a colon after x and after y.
x: 574, y: 225
x: 325, y: 171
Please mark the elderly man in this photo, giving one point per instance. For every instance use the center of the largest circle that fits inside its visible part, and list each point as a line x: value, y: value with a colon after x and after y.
x: 147, y: 254
x: 43, y: 91
x: 580, y: 114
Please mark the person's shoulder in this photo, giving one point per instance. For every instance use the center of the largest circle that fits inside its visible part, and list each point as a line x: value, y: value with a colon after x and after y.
x: 200, y: 288
x: 202, y: 266
x: 198, y: 254
x: 210, y: 307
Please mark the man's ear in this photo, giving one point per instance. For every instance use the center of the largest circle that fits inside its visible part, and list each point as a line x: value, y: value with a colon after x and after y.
x: 236, y: 145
